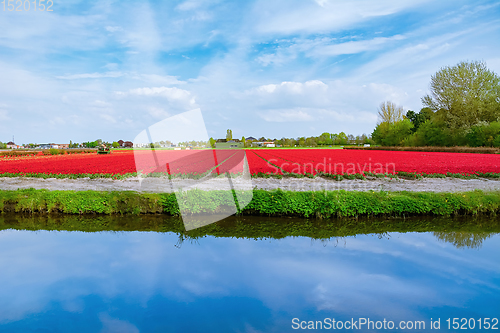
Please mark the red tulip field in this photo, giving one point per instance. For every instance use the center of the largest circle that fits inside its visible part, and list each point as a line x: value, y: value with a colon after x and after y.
x: 262, y: 162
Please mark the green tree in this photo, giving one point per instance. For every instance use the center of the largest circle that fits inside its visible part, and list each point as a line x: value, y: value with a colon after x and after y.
x: 394, y: 134
x: 434, y: 133
x: 311, y: 142
x: 325, y: 139
x: 116, y: 144
x: 229, y: 135
x: 468, y: 93
x: 419, y: 118
x: 483, y: 135
x: 244, y: 141
x: 212, y: 142
x: 341, y: 139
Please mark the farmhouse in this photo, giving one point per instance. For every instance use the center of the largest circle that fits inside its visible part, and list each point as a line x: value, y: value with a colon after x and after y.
x: 11, y: 145
x: 269, y: 144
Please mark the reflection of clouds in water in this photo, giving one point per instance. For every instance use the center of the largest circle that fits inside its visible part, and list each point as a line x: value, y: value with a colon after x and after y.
x: 369, y: 276
x: 113, y: 325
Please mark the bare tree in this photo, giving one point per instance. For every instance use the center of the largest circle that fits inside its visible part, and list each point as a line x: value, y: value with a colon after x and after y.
x: 390, y: 113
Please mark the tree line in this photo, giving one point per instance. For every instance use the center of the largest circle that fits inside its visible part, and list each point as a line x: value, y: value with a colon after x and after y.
x: 463, y: 109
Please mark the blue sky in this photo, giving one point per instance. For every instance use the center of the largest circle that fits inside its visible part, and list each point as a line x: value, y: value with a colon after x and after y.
x: 109, y: 69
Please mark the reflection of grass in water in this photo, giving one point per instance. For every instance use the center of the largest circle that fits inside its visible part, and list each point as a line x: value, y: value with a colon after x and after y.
x: 462, y: 239
x: 462, y: 232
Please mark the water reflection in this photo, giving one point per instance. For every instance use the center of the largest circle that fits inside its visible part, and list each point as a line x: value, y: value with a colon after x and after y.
x: 463, y: 239
x: 462, y: 232
x: 223, y: 281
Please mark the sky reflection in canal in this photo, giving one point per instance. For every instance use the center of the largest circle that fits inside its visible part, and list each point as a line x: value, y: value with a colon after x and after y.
x: 140, y: 282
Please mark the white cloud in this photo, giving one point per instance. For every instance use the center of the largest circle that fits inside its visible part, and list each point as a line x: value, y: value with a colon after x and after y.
x: 354, y: 46
x: 113, y: 29
x: 114, y: 325
x: 294, y: 16
x: 324, y: 47
x: 108, y: 118
x: 100, y: 104
x: 290, y: 88
x: 189, y: 5
x: 169, y: 93
x: 156, y: 79
x: 286, y: 115
x: 4, y: 115
x: 158, y: 113
x: 90, y: 76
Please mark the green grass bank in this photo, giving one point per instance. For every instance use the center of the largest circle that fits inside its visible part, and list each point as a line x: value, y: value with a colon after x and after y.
x: 317, y: 204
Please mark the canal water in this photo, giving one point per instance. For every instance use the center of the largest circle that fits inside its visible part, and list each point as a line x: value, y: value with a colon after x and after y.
x: 259, y: 274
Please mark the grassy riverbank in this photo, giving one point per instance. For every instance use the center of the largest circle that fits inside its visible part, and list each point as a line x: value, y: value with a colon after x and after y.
x: 317, y: 204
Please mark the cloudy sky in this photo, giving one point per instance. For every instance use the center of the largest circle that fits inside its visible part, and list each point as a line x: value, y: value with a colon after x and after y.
x: 109, y: 69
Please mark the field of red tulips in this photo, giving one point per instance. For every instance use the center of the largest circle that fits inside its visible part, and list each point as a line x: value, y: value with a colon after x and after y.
x: 261, y: 162
x: 338, y: 161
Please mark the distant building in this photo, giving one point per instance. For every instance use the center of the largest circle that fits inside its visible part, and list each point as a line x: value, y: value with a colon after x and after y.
x: 251, y: 138
x: 11, y: 145
x: 53, y: 145
x: 128, y: 144
x: 269, y: 144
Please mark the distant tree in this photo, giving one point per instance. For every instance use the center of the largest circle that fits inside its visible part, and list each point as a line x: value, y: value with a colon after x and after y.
x: 390, y: 113
x: 116, y: 144
x: 212, y: 142
x: 325, y: 139
x: 229, y: 135
x: 467, y: 92
x: 311, y: 142
x: 341, y: 139
x: 392, y: 134
x: 244, y: 141
x: 90, y: 144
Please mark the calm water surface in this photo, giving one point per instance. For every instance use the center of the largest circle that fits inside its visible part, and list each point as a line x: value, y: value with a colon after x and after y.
x: 147, y: 281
